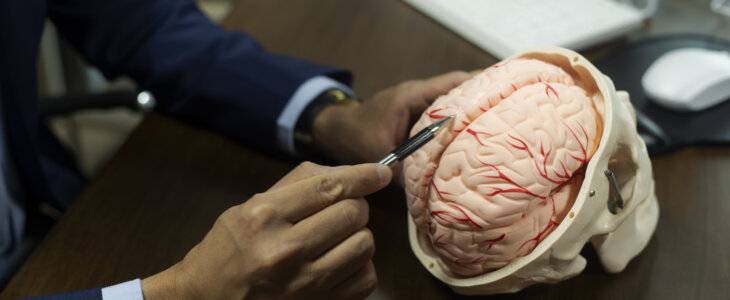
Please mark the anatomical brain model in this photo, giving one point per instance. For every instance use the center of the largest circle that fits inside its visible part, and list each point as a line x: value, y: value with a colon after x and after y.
x: 506, y: 173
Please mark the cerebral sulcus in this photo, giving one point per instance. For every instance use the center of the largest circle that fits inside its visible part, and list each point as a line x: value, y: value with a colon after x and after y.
x: 505, y: 172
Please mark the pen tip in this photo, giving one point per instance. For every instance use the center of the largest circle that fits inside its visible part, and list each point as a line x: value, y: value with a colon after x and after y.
x: 442, y: 122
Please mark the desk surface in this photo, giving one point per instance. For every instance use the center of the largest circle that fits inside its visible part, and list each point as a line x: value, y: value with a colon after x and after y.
x: 164, y: 189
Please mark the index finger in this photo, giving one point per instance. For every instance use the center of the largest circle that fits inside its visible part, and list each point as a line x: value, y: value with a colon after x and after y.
x: 436, y: 86
x: 302, y: 171
x: 426, y: 91
x: 299, y: 200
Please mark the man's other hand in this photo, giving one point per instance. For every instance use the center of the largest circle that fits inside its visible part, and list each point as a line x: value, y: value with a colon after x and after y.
x: 303, y: 238
x: 368, y: 132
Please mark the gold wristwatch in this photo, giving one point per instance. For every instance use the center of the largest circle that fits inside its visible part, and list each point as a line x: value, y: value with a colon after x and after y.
x: 303, y: 140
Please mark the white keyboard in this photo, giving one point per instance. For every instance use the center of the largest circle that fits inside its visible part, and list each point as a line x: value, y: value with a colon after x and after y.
x: 503, y: 27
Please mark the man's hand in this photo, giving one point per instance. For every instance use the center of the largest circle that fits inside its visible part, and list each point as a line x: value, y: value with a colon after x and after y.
x: 368, y: 132
x: 303, y: 238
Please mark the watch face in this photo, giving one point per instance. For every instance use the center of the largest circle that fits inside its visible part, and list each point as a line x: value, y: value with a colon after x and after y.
x: 340, y: 98
x: 337, y: 94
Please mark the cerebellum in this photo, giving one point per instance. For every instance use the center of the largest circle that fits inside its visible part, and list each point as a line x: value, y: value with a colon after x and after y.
x: 494, y: 184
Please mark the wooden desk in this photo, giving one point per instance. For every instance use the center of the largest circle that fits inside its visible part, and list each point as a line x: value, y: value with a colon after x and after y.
x: 163, y: 190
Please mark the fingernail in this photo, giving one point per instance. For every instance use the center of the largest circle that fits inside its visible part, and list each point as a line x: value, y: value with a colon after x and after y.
x: 384, y: 173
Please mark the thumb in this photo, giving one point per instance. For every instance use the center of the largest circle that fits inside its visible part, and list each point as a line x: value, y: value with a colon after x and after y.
x: 429, y: 89
x: 436, y: 86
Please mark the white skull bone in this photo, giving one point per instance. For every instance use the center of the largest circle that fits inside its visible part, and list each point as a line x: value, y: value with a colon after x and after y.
x: 616, y: 237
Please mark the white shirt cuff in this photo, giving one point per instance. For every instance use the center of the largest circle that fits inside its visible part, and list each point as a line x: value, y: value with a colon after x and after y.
x: 130, y: 290
x: 306, y: 92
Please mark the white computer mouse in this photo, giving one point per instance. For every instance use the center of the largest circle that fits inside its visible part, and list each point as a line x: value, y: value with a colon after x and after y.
x: 689, y: 79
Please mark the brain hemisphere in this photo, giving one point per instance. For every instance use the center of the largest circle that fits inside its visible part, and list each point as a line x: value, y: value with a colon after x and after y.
x: 506, y: 171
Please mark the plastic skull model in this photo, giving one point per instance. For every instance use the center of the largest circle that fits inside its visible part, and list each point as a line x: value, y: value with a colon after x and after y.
x: 542, y: 160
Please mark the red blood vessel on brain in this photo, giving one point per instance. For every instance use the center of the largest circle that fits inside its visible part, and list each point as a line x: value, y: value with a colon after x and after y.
x: 494, y: 184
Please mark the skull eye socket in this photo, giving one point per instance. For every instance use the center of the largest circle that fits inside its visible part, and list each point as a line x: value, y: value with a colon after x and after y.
x: 623, y: 167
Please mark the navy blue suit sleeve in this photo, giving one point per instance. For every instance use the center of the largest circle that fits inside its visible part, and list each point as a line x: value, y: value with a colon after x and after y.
x: 90, y: 294
x: 199, y: 72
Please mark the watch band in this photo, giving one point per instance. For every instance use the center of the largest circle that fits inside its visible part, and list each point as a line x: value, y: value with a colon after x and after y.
x: 303, y: 139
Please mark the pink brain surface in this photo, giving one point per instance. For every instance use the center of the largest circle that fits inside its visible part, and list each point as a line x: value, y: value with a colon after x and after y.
x: 491, y: 186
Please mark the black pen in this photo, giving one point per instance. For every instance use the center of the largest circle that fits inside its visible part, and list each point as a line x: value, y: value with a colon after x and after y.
x: 415, y: 142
